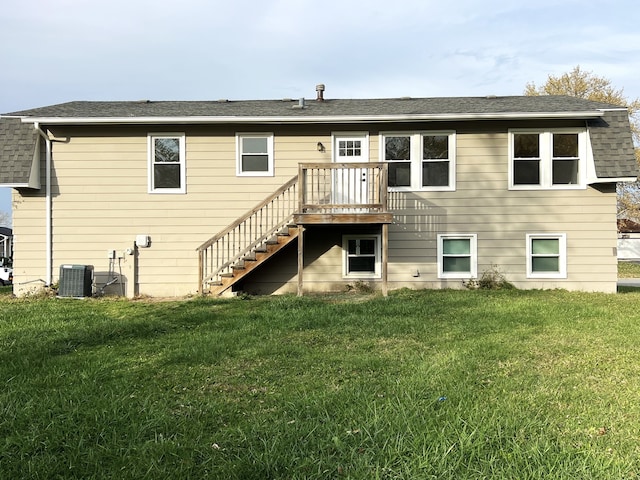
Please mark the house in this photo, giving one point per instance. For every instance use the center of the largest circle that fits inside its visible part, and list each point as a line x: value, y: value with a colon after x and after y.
x: 311, y: 195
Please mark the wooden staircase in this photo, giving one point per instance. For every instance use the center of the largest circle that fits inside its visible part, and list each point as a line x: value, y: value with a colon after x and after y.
x: 254, y: 259
x: 250, y: 241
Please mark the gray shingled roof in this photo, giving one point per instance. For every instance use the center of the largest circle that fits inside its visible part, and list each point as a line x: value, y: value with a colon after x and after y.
x: 612, y: 145
x: 610, y: 135
x: 17, y: 147
x: 329, y: 108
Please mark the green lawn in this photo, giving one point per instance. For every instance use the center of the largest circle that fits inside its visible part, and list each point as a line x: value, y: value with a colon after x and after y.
x: 628, y: 270
x: 430, y: 384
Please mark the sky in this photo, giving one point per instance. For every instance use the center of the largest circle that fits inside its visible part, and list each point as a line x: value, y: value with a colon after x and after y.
x: 55, y: 51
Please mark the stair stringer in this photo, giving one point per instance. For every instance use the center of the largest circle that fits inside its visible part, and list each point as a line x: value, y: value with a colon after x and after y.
x: 252, y: 261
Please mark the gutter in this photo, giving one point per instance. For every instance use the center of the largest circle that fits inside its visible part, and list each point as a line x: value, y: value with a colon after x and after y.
x: 311, y: 119
x: 48, y: 204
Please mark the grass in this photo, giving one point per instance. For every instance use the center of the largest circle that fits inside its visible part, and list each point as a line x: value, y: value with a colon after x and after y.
x: 628, y: 270
x: 430, y: 384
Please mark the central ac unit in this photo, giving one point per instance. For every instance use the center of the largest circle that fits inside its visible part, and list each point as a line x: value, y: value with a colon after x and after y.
x: 75, y: 281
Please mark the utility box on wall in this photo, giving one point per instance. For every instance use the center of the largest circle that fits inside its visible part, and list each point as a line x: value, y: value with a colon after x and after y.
x: 75, y: 281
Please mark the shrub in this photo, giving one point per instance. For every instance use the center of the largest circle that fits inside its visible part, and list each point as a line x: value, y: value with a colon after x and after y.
x: 491, y: 279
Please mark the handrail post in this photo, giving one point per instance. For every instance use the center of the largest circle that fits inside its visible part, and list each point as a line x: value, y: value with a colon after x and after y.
x: 200, y: 272
x: 384, y: 181
x: 302, y: 181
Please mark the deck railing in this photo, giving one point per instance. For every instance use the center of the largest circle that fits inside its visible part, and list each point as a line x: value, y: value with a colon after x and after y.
x: 343, y: 187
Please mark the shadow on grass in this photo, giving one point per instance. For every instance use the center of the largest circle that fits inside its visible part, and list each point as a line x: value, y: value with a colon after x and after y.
x: 627, y: 289
x: 67, y: 325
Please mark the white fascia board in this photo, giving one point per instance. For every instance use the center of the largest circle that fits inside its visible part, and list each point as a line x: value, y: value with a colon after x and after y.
x: 619, y: 109
x: 612, y: 180
x: 17, y: 185
x: 314, y: 119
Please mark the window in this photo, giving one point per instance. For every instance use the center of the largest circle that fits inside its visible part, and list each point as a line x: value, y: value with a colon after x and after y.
x: 350, y: 148
x: 435, y: 161
x: 546, y: 255
x: 565, y: 160
x: 554, y: 159
x: 457, y: 256
x: 398, y: 153
x: 420, y: 161
x: 361, y: 256
x: 254, y: 154
x: 167, y: 163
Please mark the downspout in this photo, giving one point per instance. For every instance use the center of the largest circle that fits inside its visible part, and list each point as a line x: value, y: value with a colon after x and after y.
x: 48, y: 204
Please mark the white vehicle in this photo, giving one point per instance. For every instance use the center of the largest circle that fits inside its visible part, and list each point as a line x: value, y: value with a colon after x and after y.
x: 6, y: 271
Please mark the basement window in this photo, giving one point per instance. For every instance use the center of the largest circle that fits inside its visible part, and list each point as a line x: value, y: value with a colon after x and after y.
x: 547, y: 255
x: 457, y: 256
x: 361, y: 256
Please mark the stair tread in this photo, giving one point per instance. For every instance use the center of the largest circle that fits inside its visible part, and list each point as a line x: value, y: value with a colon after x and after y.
x: 254, y: 258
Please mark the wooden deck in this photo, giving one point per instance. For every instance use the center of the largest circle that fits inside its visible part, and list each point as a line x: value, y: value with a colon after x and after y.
x: 342, y: 193
x: 341, y: 218
x: 321, y: 194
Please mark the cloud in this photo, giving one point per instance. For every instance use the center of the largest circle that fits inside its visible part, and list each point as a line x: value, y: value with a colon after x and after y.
x: 199, y: 49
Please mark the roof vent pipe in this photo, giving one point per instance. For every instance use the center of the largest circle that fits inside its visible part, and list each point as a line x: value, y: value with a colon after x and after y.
x: 301, y: 103
x: 320, y: 92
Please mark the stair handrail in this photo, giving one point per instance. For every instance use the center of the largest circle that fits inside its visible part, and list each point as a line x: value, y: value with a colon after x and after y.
x: 257, y: 238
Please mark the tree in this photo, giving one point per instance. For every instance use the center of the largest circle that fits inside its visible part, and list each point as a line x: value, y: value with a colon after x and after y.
x: 583, y: 84
x: 4, y: 219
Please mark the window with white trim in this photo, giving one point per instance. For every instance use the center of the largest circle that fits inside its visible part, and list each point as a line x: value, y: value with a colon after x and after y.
x: 167, y: 165
x: 546, y: 255
x: 361, y: 256
x: 553, y: 159
x: 457, y: 255
x: 420, y: 161
x: 254, y: 154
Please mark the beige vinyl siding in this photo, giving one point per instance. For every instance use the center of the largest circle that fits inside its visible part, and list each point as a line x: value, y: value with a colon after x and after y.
x: 481, y: 204
x: 29, y: 240
x: 100, y: 202
x: 322, y: 265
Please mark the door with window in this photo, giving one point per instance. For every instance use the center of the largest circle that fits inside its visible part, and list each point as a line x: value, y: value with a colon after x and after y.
x: 350, y: 185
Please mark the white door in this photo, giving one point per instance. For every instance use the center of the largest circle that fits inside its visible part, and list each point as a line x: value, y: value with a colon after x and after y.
x: 350, y: 185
